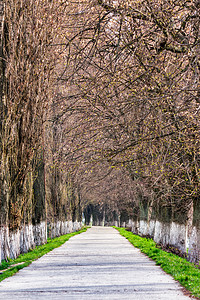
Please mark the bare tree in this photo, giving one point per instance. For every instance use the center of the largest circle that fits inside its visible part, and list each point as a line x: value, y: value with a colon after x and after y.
x: 132, y: 77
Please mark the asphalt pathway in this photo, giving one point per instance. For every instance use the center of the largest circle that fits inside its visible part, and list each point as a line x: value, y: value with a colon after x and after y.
x: 97, y: 264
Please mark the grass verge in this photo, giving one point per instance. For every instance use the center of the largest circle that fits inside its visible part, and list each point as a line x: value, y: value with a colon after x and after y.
x: 181, y: 270
x: 12, y: 266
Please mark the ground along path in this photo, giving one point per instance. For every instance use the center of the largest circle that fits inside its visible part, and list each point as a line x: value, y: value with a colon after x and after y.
x: 97, y: 264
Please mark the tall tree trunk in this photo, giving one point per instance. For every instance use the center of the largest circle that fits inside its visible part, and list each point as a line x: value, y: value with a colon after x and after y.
x: 2, y: 69
x: 1, y: 48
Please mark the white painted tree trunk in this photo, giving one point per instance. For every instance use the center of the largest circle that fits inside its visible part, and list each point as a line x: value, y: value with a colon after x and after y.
x: 174, y: 234
x: 22, y: 240
x: 60, y: 228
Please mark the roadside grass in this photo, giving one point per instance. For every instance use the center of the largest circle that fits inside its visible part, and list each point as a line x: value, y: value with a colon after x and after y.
x: 181, y: 270
x: 12, y: 266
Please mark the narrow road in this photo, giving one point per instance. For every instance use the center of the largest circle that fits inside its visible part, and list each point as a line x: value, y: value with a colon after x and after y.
x: 97, y: 264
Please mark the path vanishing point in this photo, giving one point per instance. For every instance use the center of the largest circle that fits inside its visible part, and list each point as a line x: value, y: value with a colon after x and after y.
x: 97, y: 264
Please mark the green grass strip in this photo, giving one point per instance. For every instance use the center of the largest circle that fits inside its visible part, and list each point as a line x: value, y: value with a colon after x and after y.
x: 23, y: 260
x: 181, y: 270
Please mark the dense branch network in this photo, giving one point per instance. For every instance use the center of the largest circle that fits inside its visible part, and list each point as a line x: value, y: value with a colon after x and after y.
x: 129, y: 92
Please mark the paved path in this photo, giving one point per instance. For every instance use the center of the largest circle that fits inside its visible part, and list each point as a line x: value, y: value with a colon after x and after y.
x: 97, y: 264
